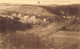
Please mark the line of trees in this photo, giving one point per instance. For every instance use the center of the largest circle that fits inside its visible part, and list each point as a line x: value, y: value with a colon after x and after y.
x: 8, y: 25
x: 65, y: 10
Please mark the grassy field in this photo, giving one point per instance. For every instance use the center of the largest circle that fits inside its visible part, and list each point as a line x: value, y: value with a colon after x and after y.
x: 59, y: 40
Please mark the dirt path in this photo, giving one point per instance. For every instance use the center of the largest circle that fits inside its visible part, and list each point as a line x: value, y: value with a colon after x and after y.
x: 66, y: 34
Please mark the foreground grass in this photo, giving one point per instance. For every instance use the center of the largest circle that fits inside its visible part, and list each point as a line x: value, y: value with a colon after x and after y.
x: 32, y: 41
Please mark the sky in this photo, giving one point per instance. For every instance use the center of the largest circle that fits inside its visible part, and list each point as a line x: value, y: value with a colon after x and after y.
x: 60, y: 2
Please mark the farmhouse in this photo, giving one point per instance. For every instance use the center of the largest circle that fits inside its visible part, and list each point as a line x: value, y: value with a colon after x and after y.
x: 19, y: 15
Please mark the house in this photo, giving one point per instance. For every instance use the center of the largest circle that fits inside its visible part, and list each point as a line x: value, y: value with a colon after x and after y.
x: 19, y: 15
x: 44, y: 20
x: 10, y: 17
x: 33, y: 19
x: 68, y: 17
x: 14, y: 15
x: 64, y: 16
x: 25, y: 19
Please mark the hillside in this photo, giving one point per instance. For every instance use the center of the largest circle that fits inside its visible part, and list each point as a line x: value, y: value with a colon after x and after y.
x: 64, y: 10
x: 30, y: 10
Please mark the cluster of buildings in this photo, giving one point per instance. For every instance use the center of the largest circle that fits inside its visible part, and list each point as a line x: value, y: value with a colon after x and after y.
x: 26, y: 18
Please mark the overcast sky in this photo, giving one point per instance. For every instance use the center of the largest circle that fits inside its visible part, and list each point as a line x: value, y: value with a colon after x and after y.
x: 41, y: 1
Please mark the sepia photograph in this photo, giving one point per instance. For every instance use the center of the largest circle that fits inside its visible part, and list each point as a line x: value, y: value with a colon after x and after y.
x: 39, y: 24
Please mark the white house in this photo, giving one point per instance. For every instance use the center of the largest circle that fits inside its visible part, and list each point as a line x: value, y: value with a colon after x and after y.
x: 14, y: 14
x: 10, y: 17
x: 44, y: 20
x: 33, y: 19
x: 25, y: 19
x: 19, y: 15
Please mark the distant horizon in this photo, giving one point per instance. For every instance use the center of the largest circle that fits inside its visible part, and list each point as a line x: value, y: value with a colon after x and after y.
x: 41, y: 2
x: 36, y: 4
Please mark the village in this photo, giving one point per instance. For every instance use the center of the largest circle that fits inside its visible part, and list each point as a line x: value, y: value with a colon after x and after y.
x: 26, y: 18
